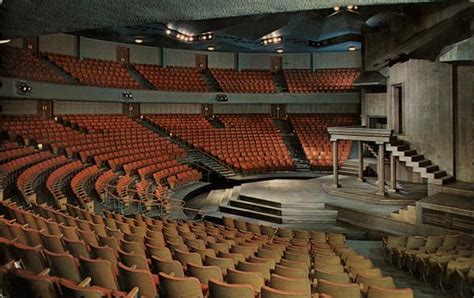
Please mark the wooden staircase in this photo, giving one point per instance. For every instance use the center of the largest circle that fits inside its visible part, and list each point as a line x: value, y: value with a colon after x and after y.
x: 418, y: 162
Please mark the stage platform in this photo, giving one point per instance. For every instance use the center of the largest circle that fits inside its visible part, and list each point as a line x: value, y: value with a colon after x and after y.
x: 279, y: 175
x: 408, y: 193
x: 300, y: 204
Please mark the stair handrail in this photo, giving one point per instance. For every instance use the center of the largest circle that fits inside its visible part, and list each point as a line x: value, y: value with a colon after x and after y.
x: 211, y: 157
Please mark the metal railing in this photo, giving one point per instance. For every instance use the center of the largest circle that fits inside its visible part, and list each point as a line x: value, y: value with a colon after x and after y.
x: 148, y: 207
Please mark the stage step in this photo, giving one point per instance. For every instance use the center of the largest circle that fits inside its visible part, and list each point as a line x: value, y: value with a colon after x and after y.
x: 252, y: 214
x: 255, y: 207
x: 260, y: 201
x: 418, y: 163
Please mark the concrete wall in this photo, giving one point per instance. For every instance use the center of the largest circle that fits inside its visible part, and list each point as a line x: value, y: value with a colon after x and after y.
x: 241, y: 109
x: 93, y: 48
x: 297, y: 61
x: 337, y: 60
x: 151, y: 108
x: 254, y: 61
x: 17, y: 42
x: 176, y: 57
x: 373, y: 104
x: 465, y: 124
x: 427, y: 109
x: 18, y: 106
x: 322, y: 108
x: 77, y: 107
x: 58, y: 43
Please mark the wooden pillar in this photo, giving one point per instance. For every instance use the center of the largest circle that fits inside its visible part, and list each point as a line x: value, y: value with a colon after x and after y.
x: 393, y: 173
x: 335, y: 167
x: 360, y: 176
x: 381, y: 169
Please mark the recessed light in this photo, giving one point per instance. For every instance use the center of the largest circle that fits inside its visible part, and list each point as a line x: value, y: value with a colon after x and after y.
x: 279, y: 51
x: 138, y: 40
x: 265, y: 42
x: 350, y: 7
x: 210, y: 48
x: 336, y: 8
x: 209, y: 36
x: 352, y: 48
x: 275, y: 39
x: 279, y: 39
x: 168, y: 31
x: 5, y: 41
x: 191, y: 38
x: 204, y: 37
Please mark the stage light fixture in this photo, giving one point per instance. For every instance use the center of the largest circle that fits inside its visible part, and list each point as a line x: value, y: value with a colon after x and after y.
x: 210, y: 48
x: 138, y: 40
x: 275, y: 40
x: 350, y: 7
x: 127, y: 95
x: 352, y: 48
x: 204, y: 37
x: 279, y: 51
x: 23, y: 87
x: 168, y: 31
x: 336, y: 8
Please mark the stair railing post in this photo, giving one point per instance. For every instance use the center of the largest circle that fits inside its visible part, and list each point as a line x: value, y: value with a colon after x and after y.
x: 393, y: 173
x: 381, y: 169
x: 360, y: 174
x: 335, y: 162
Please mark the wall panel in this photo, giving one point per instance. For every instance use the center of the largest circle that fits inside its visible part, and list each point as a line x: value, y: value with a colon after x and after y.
x: 254, y: 61
x: 297, y: 61
x: 77, y: 107
x: 151, y: 108
x: 18, y: 106
x: 322, y: 108
x: 17, y: 42
x: 58, y: 43
x: 242, y: 109
x: 337, y: 60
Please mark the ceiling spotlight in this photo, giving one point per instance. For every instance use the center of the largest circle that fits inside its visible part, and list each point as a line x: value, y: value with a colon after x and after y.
x: 138, y: 40
x: 279, y: 39
x: 352, y: 48
x: 355, y: 7
x: 191, y: 38
x: 168, y: 31
x: 275, y: 39
x: 279, y: 51
x: 210, y: 48
x: 336, y: 8
x: 23, y: 87
x: 265, y: 41
x: 178, y: 36
x: 204, y: 37
x: 209, y: 36
x: 5, y: 41
x: 186, y: 38
x: 350, y: 7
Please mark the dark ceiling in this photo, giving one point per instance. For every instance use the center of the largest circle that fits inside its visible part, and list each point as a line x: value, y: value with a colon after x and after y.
x: 239, y: 25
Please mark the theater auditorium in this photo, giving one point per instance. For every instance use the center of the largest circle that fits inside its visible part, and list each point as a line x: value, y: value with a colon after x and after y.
x: 237, y: 149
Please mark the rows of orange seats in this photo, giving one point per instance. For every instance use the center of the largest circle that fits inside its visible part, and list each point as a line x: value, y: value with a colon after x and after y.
x: 95, y: 72
x: 248, y: 143
x: 173, y: 78
x: 81, y: 185
x: 311, y: 130
x: 22, y: 64
x: 321, y: 80
x: 244, y: 81
x: 57, y: 181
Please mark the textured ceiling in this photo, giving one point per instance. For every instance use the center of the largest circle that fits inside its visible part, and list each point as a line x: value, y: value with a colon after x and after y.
x: 20, y: 18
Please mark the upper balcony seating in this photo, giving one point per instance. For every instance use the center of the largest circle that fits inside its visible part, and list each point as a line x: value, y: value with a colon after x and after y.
x: 248, y: 143
x: 244, y: 81
x: 173, y: 78
x: 321, y: 80
x: 20, y: 63
x: 95, y: 72
x: 311, y: 130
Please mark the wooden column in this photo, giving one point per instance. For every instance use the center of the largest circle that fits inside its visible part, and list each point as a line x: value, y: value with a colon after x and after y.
x: 393, y: 173
x: 381, y: 169
x: 335, y: 162
x: 360, y: 176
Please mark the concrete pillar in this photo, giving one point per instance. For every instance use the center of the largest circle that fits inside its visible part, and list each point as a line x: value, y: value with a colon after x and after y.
x: 393, y: 173
x: 335, y: 161
x: 360, y: 176
x: 381, y: 170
